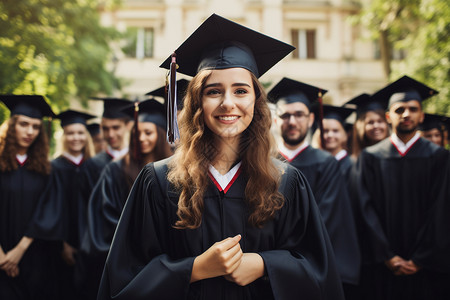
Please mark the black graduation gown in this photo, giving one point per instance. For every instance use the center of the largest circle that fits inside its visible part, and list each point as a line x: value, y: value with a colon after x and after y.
x: 61, y: 213
x: 149, y: 259
x: 19, y: 195
x: 61, y: 216
x: 346, y: 164
x: 104, y: 208
x: 328, y: 185
x: 401, y: 200
x: 92, y: 170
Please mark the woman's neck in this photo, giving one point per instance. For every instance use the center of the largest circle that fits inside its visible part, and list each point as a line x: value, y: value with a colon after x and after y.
x: 148, y: 158
x: 227, y: 155
x: 74, y: 153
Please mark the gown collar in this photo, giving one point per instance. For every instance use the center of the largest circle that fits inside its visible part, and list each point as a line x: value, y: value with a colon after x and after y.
x: 341, y: 154
x: 76, y: 160
x: 21, y: 159
x: 401, y: 147
x: 116, y: 153
x: 291, y: 154
x: 224, y: 182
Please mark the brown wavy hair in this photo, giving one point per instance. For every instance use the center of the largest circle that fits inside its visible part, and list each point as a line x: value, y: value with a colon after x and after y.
x: 188, y: 170
x: 37, y: 153
x: 133, y: 160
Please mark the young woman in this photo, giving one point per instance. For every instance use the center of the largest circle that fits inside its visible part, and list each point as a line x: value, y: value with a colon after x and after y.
x: 221, y: 219
x: 26, y: 271
x: 147, y: 144
x: 370, y: 126
x: 61, y: 215
x: 433, y: 129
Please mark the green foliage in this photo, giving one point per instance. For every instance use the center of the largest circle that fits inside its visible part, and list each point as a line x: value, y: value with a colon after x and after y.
x: 55, y: 48
x: 422, y: 29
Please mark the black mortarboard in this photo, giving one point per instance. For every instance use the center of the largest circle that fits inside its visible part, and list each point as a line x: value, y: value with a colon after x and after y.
x: 93, y: 128
x: 338, y: 113
x: 432, y: 121
x: 112, y: 107
x: 402, y: 90
x: 291, y: 91
x: 71, y: 117
x: 181, y: 91
x: 150, y: 110
x: 33, y: 106
x: 365, y: 102
x: 222, y: 44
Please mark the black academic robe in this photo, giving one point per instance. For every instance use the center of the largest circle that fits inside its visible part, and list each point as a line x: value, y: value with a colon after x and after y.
x: 346, y: 165
x: 328, y: 185
x: 105, y: 206
x: 61, y: 213
x: 61, y: 216
x: 92, y: 170
x: 149, y: 259
x: 401, y: 199
x: 19, y: 195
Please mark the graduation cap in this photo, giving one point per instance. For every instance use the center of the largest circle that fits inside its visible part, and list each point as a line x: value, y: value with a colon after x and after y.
x: 291, y: 91
x: 219, y: 43
x: 337, y: 113
x: 93, y: 128
x: 432, y: 121
x: 402, y: 90
x: 33, y: 106
x: 181, y: 91
x: 222, y: 44
x: 73, y: 117
x: 112, y: 107
x: 150, y: 110
x: 364, y: 103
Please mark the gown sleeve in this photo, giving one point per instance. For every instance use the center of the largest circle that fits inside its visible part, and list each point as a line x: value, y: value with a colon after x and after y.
x: 136, y: 267
x: 303, y: 263
x: 104, y: 208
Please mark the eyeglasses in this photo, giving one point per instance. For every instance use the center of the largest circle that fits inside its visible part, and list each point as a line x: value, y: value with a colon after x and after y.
x: 298, y: 115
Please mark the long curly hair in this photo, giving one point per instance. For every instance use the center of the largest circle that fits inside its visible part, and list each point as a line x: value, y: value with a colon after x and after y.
x: 37, y: 153
x: 188, y: 170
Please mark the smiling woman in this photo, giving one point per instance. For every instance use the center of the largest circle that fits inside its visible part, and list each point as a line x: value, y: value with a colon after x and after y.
x: 222, y: 219
x: 24, y: 170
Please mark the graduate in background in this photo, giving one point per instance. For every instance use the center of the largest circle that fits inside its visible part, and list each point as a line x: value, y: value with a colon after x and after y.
x: 97, y: 137
x: 370, y: 126
x: 221, y: 219
x: 294, y: 119
x: 61, y: 213
x: 147, y: 144
x: 26, y: 268
x: 433, y: 129
x: 335, y: 136
x: 400, y: 182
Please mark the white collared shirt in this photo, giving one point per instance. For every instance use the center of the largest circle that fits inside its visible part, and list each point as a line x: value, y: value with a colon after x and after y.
x: 21, y: 158
x: 341, y: 154
x: 402, y: 147
x: 224, y: 180
x: 291, y: 154
x: 75, y: 159
x: 117, y: 153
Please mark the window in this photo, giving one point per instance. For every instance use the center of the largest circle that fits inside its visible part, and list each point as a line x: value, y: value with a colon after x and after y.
x: 304, y: 40
x: 138, y: 42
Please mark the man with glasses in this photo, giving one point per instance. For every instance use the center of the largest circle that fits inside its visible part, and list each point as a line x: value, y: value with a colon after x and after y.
x: 294, y: 101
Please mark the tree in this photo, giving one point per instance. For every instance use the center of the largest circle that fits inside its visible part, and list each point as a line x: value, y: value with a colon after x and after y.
x: 55, y: 48
x: 419, y: 28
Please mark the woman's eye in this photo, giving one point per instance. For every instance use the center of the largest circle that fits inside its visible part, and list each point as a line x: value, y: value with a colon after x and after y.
x: 241, y: 91
x: 212, y: 92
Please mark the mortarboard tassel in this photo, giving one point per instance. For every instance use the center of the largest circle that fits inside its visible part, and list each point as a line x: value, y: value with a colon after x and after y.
x: 172, y: 123
x: 136, y: 150
x: 322, y: 138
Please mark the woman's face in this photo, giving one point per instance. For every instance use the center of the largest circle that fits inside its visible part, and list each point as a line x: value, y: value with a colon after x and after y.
x: 334, y: 135
x: 27, y: 130
x: 375, y: 127
x: 228, y: 101
x: 147, y: 136
x: 434, y: 136
x: 76, y: 138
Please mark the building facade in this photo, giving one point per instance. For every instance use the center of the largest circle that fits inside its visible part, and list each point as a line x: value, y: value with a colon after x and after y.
x: 330, y: 52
